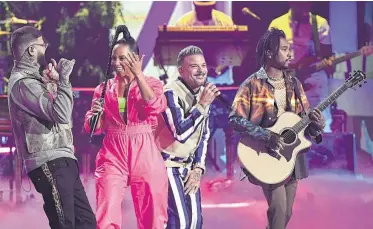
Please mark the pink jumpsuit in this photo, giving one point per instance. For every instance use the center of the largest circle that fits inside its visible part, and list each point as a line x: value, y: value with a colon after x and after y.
x: 129, y: 156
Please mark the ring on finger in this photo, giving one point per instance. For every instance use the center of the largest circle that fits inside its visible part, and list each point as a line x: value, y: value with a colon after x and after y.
x: 136, y: 56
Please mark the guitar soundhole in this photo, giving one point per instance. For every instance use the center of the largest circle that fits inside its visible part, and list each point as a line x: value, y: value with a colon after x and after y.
x: 289, y: 136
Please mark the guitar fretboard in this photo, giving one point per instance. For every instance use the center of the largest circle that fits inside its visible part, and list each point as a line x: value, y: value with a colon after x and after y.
x: 305, y: 121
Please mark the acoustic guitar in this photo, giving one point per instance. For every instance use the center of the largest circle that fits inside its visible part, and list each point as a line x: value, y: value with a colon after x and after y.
x: 274, y: 167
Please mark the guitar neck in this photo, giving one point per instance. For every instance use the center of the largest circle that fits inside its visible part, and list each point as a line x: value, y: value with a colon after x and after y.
x: 332, y: 98
x: 305, y: 121
x: 338, y: 60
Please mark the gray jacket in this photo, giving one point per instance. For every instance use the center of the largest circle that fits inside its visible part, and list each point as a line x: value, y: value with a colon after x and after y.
x: 41, y: 124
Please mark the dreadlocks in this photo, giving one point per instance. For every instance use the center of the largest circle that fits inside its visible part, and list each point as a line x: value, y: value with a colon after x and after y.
x: 268, y: 43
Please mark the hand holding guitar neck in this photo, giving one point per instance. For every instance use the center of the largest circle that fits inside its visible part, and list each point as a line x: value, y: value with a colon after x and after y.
x: 318, y: 119
x: 331, y: 61
x: 308, y: 65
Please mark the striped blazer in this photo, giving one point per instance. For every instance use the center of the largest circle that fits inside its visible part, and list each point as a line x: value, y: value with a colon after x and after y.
x: 182, y: 132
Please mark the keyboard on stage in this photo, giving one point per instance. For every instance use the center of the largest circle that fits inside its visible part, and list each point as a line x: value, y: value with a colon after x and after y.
x: 222, y: 46
x: 165, y: 28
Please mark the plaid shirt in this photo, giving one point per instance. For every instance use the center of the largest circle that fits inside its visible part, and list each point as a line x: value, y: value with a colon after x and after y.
x: 254, y: 109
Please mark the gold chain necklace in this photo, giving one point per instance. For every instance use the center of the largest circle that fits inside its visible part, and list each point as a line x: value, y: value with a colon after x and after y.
x: 276, y: 79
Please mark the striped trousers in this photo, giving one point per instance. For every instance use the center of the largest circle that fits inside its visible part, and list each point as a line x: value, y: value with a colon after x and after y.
x: 184, y: 211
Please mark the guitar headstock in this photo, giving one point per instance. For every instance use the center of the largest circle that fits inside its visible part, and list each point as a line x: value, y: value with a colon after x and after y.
x: 356, y: 78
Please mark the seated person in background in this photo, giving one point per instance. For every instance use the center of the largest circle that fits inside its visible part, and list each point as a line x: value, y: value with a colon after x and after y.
x: 297, y: 26
x: 204, y: 13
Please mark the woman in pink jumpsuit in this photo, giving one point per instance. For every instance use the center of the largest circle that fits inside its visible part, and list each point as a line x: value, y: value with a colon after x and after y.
x: 129, y: 156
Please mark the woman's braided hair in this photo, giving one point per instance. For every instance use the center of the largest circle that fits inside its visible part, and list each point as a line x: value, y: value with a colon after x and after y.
x: 126, y: 40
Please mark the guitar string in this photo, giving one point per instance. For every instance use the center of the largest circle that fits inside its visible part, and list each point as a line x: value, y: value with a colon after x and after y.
x: 297, y: 127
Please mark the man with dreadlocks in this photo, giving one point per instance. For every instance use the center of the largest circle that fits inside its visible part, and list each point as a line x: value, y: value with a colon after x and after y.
x: 129, y: 155
x: 261, y: 99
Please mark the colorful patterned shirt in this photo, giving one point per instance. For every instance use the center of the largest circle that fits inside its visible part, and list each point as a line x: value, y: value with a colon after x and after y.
x: 255, y: 107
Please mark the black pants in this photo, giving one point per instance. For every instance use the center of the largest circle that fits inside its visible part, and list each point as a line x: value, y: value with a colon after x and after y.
x: 76, y: 209
x: 280, y: 201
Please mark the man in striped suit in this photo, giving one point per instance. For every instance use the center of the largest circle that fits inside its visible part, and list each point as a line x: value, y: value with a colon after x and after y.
x: 182, y: 137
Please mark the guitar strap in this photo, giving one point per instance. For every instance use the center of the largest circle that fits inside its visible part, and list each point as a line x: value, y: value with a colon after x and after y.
x: 298, y: 97
x: 315, y: 35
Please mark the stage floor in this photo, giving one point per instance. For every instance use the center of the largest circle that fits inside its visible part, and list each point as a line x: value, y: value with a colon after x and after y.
x: 326, y: 200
